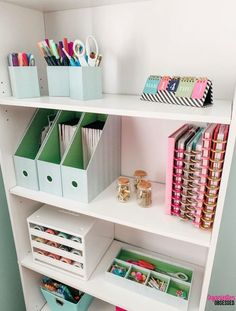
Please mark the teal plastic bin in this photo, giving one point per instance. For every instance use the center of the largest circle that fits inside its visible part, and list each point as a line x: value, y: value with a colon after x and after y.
x: 85, y: 83
x: 58, y: 81
x: 56, y: 303
x: 24, y: 82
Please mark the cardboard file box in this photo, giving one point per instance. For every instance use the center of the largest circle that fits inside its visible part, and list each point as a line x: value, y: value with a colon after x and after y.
x: 27, y: 151
x: 56, y: 303
x: 24, y: 81
x: 49, y: 158
x: 85, y: 83
x: 89, y: 236
x: 85, y: 183
x: 58, y: 81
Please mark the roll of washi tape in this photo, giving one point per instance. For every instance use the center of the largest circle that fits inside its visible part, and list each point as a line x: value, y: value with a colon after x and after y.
x: 54, y: 256
x: 37, y: 227
x: 65, y: 248
x: 78, y: 264
x: 51, y: 231
x: 40, y: 240
x: 63, y: 235
x: 76, y: 239
x: 41, y: 252
x: 76, y: 252
x: 53, y: 244
x: 66, y: 260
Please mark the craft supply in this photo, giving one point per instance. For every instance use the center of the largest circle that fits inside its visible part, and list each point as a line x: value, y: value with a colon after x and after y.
x: 181, y: 294
x: 78, y: 264
x: 118, y: 270
x: 76, y: 252
x: 157, y: 284
x: 40, y: 240
x: 37, y: 227
x: 123, y: 189
x: 71, y: 53
x: 41, y: 252
x: 137, y: 276
x: 144, y: 193
x: 50, y: 231
x: 63, y: 235
x: 53, y: 244
x: 66, y: 260
x: 64, y: 248
x: 54, y: 256
x: 138, y: 176
x: 21, y: 60
x: 76, y: 239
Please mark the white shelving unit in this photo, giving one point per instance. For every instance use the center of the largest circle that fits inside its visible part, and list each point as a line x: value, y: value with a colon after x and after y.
x: 149, y: 228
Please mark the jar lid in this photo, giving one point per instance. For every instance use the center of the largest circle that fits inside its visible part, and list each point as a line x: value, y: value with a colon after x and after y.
x: 140, y: 173
x: 123, y: 180
x: 144, y: 184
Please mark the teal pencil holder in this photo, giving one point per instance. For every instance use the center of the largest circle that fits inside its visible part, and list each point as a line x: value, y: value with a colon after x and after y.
x: 56, y: 303
x: 85, y: 83
x: 58, y: 81
x: 24, y: 81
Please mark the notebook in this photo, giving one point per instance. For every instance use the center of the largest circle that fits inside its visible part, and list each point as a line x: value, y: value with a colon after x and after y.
x: 178, y: 169
x: 170, y: 164
x: 91, y: 134
x: 66, y: 132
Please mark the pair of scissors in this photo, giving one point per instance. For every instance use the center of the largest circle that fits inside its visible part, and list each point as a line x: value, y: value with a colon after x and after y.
x: 84, y: 53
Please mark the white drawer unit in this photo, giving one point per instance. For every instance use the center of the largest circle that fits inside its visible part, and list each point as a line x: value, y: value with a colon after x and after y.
x: 72, y: 242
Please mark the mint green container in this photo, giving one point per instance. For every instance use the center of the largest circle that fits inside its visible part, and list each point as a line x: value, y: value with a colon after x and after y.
x: 58, y: 81
x: 24, y: 81
x: 58, y: 304
x: 85, y: 83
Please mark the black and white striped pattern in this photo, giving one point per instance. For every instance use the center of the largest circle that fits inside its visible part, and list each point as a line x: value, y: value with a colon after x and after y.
x: 170, y: 98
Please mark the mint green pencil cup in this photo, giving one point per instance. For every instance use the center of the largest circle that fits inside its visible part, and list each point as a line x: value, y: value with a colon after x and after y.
x: 58, y: 81
x: 56, y: 303
x: 85, y: 83
x: 24, y: 81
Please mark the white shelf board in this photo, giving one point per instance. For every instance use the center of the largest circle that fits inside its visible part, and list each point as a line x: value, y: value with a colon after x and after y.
x: 60, y: 5
x: 107, y: 207
x: 96, y: 305
x: 130, y: 105
x: 99, y: 287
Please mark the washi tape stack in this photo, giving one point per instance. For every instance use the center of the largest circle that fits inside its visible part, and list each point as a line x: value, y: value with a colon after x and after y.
x: 185, y: 91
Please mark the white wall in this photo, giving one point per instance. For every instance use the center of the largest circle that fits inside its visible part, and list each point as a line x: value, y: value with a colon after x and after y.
x: 157, y: 37
x: 20, y: 30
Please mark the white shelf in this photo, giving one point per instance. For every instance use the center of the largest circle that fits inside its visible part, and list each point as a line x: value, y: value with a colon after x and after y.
x: 99, y: 287
x: 60, y: 5
x: 106, y: 207
x: 96, y: 305
x: 130, y: 105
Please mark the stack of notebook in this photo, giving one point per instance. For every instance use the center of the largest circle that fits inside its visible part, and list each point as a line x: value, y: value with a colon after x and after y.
x: 194, y: 168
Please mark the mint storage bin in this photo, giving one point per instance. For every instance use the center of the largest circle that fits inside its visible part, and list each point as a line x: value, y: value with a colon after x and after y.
x: 58, y: 81
x: 24, y: 81
x: 49, y: 158
x: 85, y: 183
x: 26, y: 153
x: 56, y: 303
x: 85, y: 83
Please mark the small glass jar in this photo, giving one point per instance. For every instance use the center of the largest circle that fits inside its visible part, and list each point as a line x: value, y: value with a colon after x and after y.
x: 144, y: 193
x: 138, y: 176
x: 123, y: 189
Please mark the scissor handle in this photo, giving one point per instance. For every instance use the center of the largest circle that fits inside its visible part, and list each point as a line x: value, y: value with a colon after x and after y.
x: 78, y: 48
x: 181, y: 276
x: 91, y: 60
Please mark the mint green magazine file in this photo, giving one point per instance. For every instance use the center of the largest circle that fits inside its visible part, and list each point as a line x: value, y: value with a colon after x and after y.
x: 85, y: 183
x: 49, y: 158
x: 56, y: 303
x: 26, y: 153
